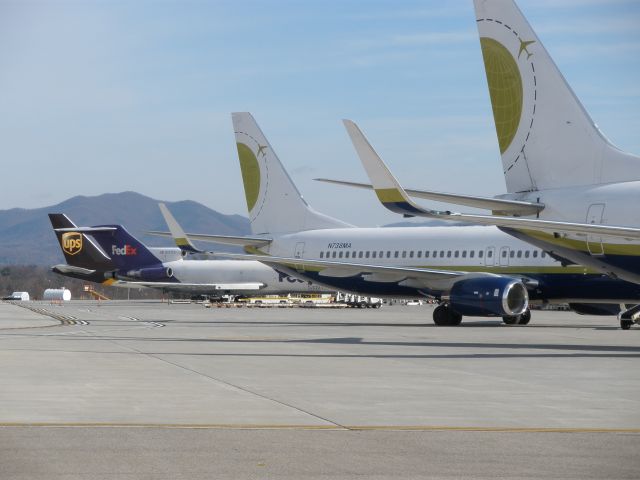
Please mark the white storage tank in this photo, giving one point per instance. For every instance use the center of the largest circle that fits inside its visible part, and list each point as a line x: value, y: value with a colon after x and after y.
x: 24, y: 296
x: 57, y: 294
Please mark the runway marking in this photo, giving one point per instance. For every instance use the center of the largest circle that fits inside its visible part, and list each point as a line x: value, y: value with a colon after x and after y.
x: 63, y: 319
x: 400, y: 428
x: 135, y: 319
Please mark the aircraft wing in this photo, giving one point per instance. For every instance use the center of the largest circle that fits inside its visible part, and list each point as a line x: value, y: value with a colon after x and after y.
x: 395, y: 198
x: 224, y: 239
x: 497, y: 205
x: 199, y: 287
x: 431, y: 279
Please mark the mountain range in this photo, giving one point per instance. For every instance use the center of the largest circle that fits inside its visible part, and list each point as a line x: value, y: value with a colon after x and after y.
x: 26, y: 236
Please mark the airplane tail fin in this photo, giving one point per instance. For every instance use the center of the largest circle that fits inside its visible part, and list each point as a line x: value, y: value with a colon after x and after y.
x: 546, y: 137
x: 273, y: 201
x: 126, y: 251
x: 79, y: 249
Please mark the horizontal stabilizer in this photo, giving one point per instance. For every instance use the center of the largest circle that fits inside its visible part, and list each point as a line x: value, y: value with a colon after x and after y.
x: 64, y: 268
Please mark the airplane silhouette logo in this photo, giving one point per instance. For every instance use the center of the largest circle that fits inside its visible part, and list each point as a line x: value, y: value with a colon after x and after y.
x: 261, y: 149
x: 523, y: 47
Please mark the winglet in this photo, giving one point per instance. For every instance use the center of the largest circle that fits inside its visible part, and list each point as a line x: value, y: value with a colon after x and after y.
x: 181, y: 239
x: 387, y: 188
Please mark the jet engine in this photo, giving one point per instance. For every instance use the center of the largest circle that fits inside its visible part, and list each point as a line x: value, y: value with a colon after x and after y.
x: 150, y: 274
x: 489, y: 297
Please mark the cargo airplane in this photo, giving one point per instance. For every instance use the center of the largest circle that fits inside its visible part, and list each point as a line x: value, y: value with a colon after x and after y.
x: 475, y: 271
x: 570, y: 190
x: 111, y: 256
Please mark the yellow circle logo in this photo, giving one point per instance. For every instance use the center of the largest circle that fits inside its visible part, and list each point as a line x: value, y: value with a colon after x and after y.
x: 505, y: 89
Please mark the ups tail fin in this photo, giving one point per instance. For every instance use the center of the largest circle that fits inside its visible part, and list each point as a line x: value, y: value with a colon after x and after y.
x: 126, y: 251
x: 273, y: 201
x: 79, y: 249
x: 546, y: 137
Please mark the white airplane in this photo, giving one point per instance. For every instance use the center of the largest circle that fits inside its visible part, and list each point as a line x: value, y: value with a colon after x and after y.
x: 570, y: 191
x: 110, y: 255
x: 475, y: 271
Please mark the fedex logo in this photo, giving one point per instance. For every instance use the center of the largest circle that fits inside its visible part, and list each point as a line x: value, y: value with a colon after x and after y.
x: 124, y: 251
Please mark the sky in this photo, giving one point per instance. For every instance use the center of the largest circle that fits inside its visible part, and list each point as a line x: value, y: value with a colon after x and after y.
x: 107, y: 96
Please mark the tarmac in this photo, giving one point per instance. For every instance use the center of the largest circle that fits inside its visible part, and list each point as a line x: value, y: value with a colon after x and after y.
x: 124, y: 390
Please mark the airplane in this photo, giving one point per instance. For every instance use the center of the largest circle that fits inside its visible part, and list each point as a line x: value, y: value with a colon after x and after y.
x: 473, y: 271
x: 570, y: 190
x: 110, y: 255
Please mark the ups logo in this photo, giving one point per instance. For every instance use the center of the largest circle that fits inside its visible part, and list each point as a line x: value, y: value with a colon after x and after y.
x: 71, y: 242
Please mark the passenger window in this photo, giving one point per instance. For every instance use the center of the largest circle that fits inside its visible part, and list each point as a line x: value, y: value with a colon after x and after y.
x: 340, y: 254
x: 456, y: 254
x: 411, y: 254
x: 464, y: 254
x: 490, y: 253
x: 321, y: 254
x: 373, y: 254
x: 419, y: 253
x: 535, y: 254
x: 426, y: 254
x: 504, y: 254
x: 381, y: 254
x: 526, y: 254
x: 404, y: 254
x: 480, y: 253
x: 396, y: 254
x: 366, y: 254
x: 512, y: 253
x: 334, y: 254
x: 346, y: 254
x: 360, y: 254
x: 388, y: 253
x: 441, y: 253
x: 519, y: 253
x: 448, y: 253
x: 543, y: 254
x: 472, y: 253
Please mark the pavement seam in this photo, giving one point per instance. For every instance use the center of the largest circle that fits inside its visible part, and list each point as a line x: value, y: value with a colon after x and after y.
x: 335, y: 425
x: 404, y: 428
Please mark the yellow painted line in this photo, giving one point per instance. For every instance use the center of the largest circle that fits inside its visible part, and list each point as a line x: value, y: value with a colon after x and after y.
x: 416, y: 428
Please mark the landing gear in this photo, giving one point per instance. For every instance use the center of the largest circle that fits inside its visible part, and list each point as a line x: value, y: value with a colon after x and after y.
x: 444, y: 316
x: 625, y: 324
x: 629, y: 317
x: 522, y: 319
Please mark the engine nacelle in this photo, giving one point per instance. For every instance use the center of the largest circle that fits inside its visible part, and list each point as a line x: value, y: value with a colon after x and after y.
x: 489, y: 297
x: 150, y: 273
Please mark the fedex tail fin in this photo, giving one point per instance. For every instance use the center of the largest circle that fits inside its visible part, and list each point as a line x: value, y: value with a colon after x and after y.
x: 546, y: 137
x: 273, y: 201
x: 79, y: 249
x: 126, y: 251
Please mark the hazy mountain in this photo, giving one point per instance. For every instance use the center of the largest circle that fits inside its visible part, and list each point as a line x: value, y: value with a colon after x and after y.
x: 26, y: 237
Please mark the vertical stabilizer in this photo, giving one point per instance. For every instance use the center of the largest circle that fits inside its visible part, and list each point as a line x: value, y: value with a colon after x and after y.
x: 546, y: 137
x: 79, y: 249
x: 273, y: 201
x: 126, y: 251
